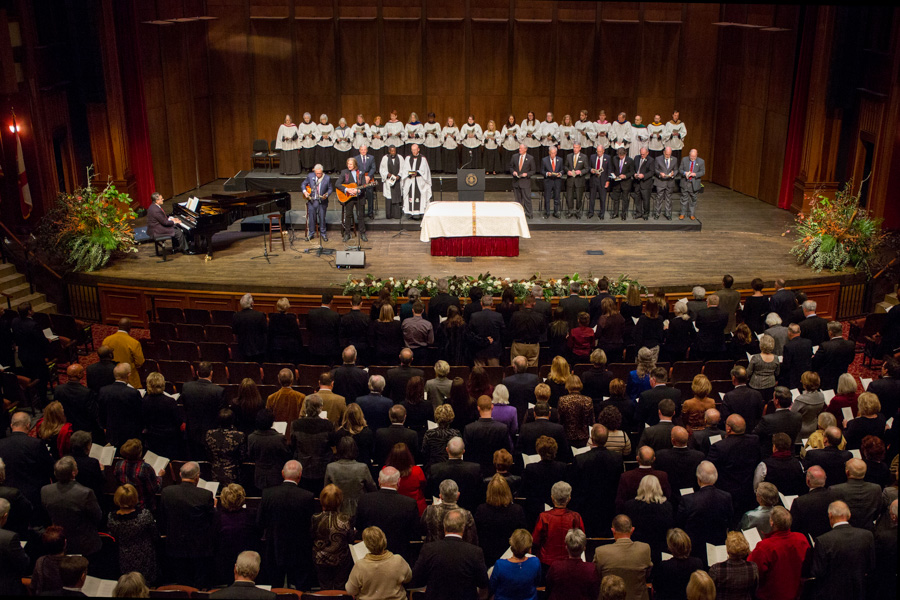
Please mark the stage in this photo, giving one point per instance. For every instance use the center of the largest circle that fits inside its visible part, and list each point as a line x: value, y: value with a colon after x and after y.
x: 740, y: 235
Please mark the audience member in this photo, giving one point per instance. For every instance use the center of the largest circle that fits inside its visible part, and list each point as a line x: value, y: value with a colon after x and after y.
x: 497, y: 519
x: 433, y: 518
x: 595, y: 477
x: 250, y: 329
x: 766, y: 498
x: 247, y: 406
x: 617, y: 397
x: 466, y: 474
x: 100, y: 374
x: 736, y: 457
x: 743, y: 400
x: 236, y: 530
x: 122, y: 405
x: 521, y: 383
x: 862, y: 498
x: 163, y: 419
x: 639, y: 379
x: 519, y: 575
x: 833, y: 356
x: 572, y: 578
x: 630, y: 481
x: 450, y: 568
x: 503, y: 462
x: 73, y: 507
x: 311, y: 440
x: 434, y: 442
x: 125, y: 349
x: 381, y: 574
x: 332, y: 536
x: 649, y: 400
x: 830, y: 458
x: 28, y: 462
x: 134, y: 530
x: 842, y: 557
x: 809, y: 403
x: 699, y: 439
x: 396, y: 515
x: 285, y: 341
x: 845, y: 397
x: 693, y: 410
x: 706, y: 515
x: 503, y: 412
x: 659, y: 436
x: 437, y: 390
x: 576, y: 412
x: 375, y: 405
x: 671, y: 577
x: 131, y: 585
x: 13, y: 560
x: 540, y: 476
x: 485, y: 436
x: 187, y: 519
x: 552, y: 526
x: 202, y: 400
x: 246, y: 571
x: 398, y: 377
x: 352, y: 477
x: 385, y: 335
x: 625, y: 558
x: 286, y: 402
x: 679, y: 463
x: 781, y: 468
x: 45, y: 577
x: 779, y: 559
x: 783, y: 420
x: 134, y: 470
x: 543, y: 426
x: 79, y: 404
x: 736, y: 577
x: 333, y: 404
x: 651, y: 514
x: 72, y: 575
x: 387, y: 437
x: 267, y: 450
x: 617, y: 440
x: 323, y: 324
x: 810, y: 511
x: 869, y: 422
x: 226, y: 448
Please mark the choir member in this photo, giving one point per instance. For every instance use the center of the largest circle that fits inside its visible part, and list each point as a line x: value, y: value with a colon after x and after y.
x: 352, y: 175
x: 360, y: 133
x: 585, y: 129
x: 620, y: 134
x: 599, y: 182
x: 470, y: 138
x: 639, y: 137
x: 509, y: 140
x: 325, y: 145
x: 657, y: 131
x: 548, y: 133
x: 568, y: 135
x: 450, y: 146
x: 309, y: 136
x: 392, y: 172
x: 601, y: 134
x: 529, y: 135
x: 675, y: 134
x: 417, y: 185
x: 431, y: 149
x: 288, y: 141
x: 414, y: 133
x: 395, y: 132
x: 492, y: 161
x: 377, y: 134
x: 343, y: 143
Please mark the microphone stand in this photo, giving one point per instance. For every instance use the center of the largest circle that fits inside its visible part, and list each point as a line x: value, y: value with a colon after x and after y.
x: 319, y: 250
x: 358, y: 247
x: 401, y: 232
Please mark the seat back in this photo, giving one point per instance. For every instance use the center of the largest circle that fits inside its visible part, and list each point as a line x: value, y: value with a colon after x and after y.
x: 170, y: 314
x: 189, y: 332
x: 238, y: 371
x: 621, y: 370
x: 221, y: 317
x: 184, y: 351
x: 686, y: 370
x: 260, y: 147
x: 718, y: 370
x: 214, y: 352
x: 197, y: 316
x: 162, y: 331
x: 309, y: 374
x: 219, y: 333
x: 271, y: 371
x: 219, y: 371
x: 178, y: 371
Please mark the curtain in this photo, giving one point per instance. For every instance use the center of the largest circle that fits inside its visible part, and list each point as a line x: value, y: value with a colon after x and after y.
x: 475, y: 246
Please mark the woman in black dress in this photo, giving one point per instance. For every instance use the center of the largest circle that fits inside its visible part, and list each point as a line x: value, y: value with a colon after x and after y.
x: 670, y: 577
x: 497, y: 518
x: 247, y: 405
x: 756, y: 307
x: 464, y: 408
x: 418, y: 412
x: 558, y: 333
x: 386, y: 337
x: 269, y: 450
x: 452, y: 337
x: 652, y: 516
x: 680, y: 334
x: 285, y: 340
x: 163, y: 419
x: 236, y: 529
x: 135, y: 532
x: 611, y: 331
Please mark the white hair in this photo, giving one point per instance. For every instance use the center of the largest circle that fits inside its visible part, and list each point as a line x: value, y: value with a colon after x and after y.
x: 650, y: 491
x: 247, y: 564
x: 501, y: 394
x: 449, y: 491
x: 389, y: 477
x: 707, y: 473
x: 247, y: 301
x: 772, y: 319
x: 323, y: 116
x: 561, y: 492
x: 809, y: 306
x: 318, y: 167
x: 699, y: 293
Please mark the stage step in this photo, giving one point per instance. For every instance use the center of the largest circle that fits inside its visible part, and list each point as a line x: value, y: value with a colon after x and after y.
x: 14, y: 285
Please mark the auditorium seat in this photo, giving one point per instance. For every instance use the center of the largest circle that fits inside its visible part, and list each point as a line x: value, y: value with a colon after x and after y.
x: 197, y: 316
x: 191, y: 333
x: 214, y: 352
x: 306, y: 390
x: 742, y: 363
x: 544, y: 371
x: 162, y: 331
x: 231, y: 392
x: 238, y: 371
x: 720, y: 387
x: 379, y: 370
x: 173, y: 591
x: 429, y: 371
x: 169, y: 314
x: 267, y: 390
x: 621, y: 370
x: 68, y: 326
x: 148, y: 367
x: 334, y: 594
x: 184, y: 351
x: 271, y: 370
x: 289, y: 594
x: 178, y: 371
x: 155, y: 349
x: 221, y: 317
x: 459, y: 371
x: 510, y: 370
x: 580, y: 368
x: 685, y: 387
x: 219, y: 333
x: 718, y: 370
x: 309, y: 374
x: 686, y: 370
x: 494, y: 374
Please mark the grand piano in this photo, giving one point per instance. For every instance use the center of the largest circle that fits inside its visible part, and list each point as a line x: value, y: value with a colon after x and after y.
x: 217, y: 212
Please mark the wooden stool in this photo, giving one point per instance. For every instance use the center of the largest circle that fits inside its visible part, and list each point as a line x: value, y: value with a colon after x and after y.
x: 275, y: 225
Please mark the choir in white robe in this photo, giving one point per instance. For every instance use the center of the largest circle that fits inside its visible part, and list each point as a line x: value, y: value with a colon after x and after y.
x: 639, y: 139
x: 601, y: 135
x: 620, y: 135
x: 675, y: 134
x: 549, y: 133
x: 528, y: 134
x: 416, y: 190
x: 395, y: 133
x: 585, y: 136
x: 509, y: 138
x: 360, y: 135
x: 657, y: 135
x: 325, y: 147
x: 415, y: 134
x: 288, y: 141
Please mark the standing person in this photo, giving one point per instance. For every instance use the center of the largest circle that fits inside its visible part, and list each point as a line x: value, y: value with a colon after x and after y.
x: 601, y: 135
x: 655, y: 133
x: 14, y: 562
x: 333, y: 534
x: 643, y: 183
x: 395, y: 132
x: 523, y: 166
x: 288, y: 141
x: 568, y: 135
x: 159, y: 223
x: 202, y: 401
x: 492, y: 161
x: 325, y: 152
x: 367, y: 165
x: 599, y: 182
x: 519, y: 575
x: 414, y: 133
x: 417, y: 186
x: 675, y: 134
x: 187, y: 517
x: 380, y: 574
x: 842, y: 557
x: 639, y: 137
x: 620, y: 132
x: 735, y: 577
x: 779, y: 559
x: 665, y: 170
x: 572, y: 578
x: 470, y: 137
x: 431, y: 147
x: 393, y: 173
x: 73, y: 507
x: 548, y: 134
x: 377, y: 134
x: 576, y: 165
x: 316, y: 189
x: 135, y: 531
x: 309, y: 137
x: 584, y: 128
x: 621, y: 173
x: 450, y: 568
x: 361, y: 133
x: 122, y: 404
x: 552, y: 168
x: 126, y: 349
x: 509, y: 140
x: 625, y: 557
x: 343, y: 144
x: 353, y: 175
x: 530, y: 136
x: 691, y: 172
x: 249, y: 327
x: 450, y: 147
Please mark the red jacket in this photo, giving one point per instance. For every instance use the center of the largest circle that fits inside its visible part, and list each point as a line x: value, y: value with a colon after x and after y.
x: 779, y: 558
x: 550, y: 533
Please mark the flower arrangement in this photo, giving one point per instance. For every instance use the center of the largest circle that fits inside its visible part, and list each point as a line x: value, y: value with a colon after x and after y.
x: 837, y: 233
x: 461, y: 285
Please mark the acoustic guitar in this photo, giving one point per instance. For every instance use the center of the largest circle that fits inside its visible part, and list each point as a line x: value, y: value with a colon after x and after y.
x: 343, y: 198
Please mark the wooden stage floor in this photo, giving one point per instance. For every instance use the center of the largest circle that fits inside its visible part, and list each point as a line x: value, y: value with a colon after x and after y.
x: 740, y: 235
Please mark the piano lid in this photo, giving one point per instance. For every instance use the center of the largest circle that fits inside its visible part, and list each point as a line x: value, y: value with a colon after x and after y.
x: 251, y: 197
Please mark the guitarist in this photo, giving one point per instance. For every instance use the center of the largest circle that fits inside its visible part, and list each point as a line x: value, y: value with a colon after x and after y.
x: 366, y: 164
x: 316, y: 189
x: 349, y: 182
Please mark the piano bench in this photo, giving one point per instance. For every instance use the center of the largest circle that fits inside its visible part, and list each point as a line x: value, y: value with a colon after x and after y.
x: 159, y: 243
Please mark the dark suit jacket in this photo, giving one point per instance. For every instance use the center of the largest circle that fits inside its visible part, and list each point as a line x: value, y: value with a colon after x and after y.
x: 595, y: 304
x: 630, y: 480
x: 187, y: 516
x: 79, y: 405
x: 657, y: 436
x: 530, y: 432
x: 745, y: 401
x: 241, y: 590
x: 467, y: 476
x: 864, y: 499
x: 89, y: 474
x: 736, y: 458
x: 202, y: 402
x: 367, y: 165
x: 122, y: 405
x: 832, y: 360
x: 810, y: 511
x: 780, y: 421
x: 451, y: 569
x: 646, y: 170
x: 395, y: 514
x: 700, y: 438
x: 699, y: 171
x: 888, y: 391
x: 395, y: 381
x: 323, y: 326
x: 796, y: 359
x: 595, y: 478
x: 386, y: 437
x: 13, y: 564
x: 375, y: 409
x: 711, y: 323
x: 30, y: 341
x: 100, y: 374
x: 529, y: 167
x: 20, y: 509
x: 815, y: 329
x: 627, y: 169
x: 546, y: 167
x: 483, y: 438
x: 74, y: 508
x: 680, y: 465
x: 832, y: 460
x: 603, y: 177
x: 572, y: 305
x: 783, y: 302
x: 706, y: 516
x: 648, y: 403
x: 521, y: 390
x: 841, y: 560
x: 437, y: 307
x: 484, y: 324
x: 158, y: 222
x: 285, y: 514
x: 269, y: 451
x: 284, y: 338
x: 29, y: 465
x: 249, y: 326
x: 351, y: 382
x: 581, y: 166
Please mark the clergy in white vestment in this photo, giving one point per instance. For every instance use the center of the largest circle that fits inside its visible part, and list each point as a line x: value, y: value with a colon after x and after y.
x: 417, y: 185
x: 640, y: 137
x: 393, y: 172
x: 288, y: 141
x: 674, y: 135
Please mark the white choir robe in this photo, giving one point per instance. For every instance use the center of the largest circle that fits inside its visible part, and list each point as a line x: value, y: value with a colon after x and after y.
x: 675, y: 134
x: 620, y: 135
x: 640, y: 137
x: 416, y: 190
x: 287, y: 131
x: 383, y: 171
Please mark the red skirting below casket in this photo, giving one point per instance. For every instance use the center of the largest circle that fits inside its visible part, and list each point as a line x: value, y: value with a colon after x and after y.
x: 475, y: 246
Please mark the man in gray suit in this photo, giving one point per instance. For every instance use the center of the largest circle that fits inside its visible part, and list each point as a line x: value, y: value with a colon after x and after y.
x: 577, y: 172
x: 666, y: 172
x: 692, y: 171
x: 74, y: 508
x: 643, y: 184
x: 522, y: 167
x: 729, y: 301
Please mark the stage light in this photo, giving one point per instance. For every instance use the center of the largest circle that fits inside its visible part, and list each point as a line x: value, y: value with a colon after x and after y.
x: 15, y: 128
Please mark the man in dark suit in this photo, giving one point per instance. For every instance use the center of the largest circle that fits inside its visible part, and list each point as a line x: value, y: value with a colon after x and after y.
x: 707, y: 514
x: 595, y: 475
x: 484, y: 334
x: 73, y: 571
x: 711, y: 428
x: 375, y: 406
x: 90, y: 472
x: 810, y: 511
x: 13, y: 560
x: 540, y: 305
x: 781, y: 468
x: 285, y: 514
x: 783, y: 301
x: 743, y: 400
x: 888, y: 387
x: 161, y: 224
x: 20, y: 509
x: 552, y: 170
x: 366, y: 164
x: 813, y: 327
x: 679, y: 463
x: 395, y: 514
x: 665, y: 171
x: 796, y: 358
x: 648, y: 402
x: 659, y: 436
x: 246, y: 570
x: 187, y: 517
x: 621, y: 172
x: 350, y: 380
x: 397, y: 377
x: 526, y: 328
x: 630, y: 480
x: 736, y: 457
x: 451, y: 569
x: 542, y: 425
x: 250, y: 329
x: 643, y: 184
x: 78, y: 402
x: 121, y: 404
x: 522, y: 167
x: 32, y: 346
x: 323, y: 325
x: 485, y: 436
x: 596, y: 303
x: 576, y: 165
x: 440, y: 302
x: 573, y: 304
x: 690, y: 173
x: 397, y: 432
x: 100, y: 373
x: 834, y: 357
x: 831, y: 458
x: 863, y: 498
x: 783, y: 420
x: 466, y: 474
x: 842, y: 557
x: 74, y: 508
x: 354, y: 330
x: 202, y: 401
x: 520, y: 384
x: 28, y: 463
x: 711, y: 322
x: 599, y: 183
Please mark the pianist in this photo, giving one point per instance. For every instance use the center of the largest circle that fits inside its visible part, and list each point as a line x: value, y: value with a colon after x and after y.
x: 160, y: 224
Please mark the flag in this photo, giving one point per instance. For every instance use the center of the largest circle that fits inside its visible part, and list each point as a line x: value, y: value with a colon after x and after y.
x: 24, y: 191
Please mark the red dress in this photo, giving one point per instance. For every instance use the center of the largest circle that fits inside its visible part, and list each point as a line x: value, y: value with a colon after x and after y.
x: 413, y: 485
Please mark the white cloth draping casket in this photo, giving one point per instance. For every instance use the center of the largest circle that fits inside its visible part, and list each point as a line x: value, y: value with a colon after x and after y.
x: 474, y: 219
